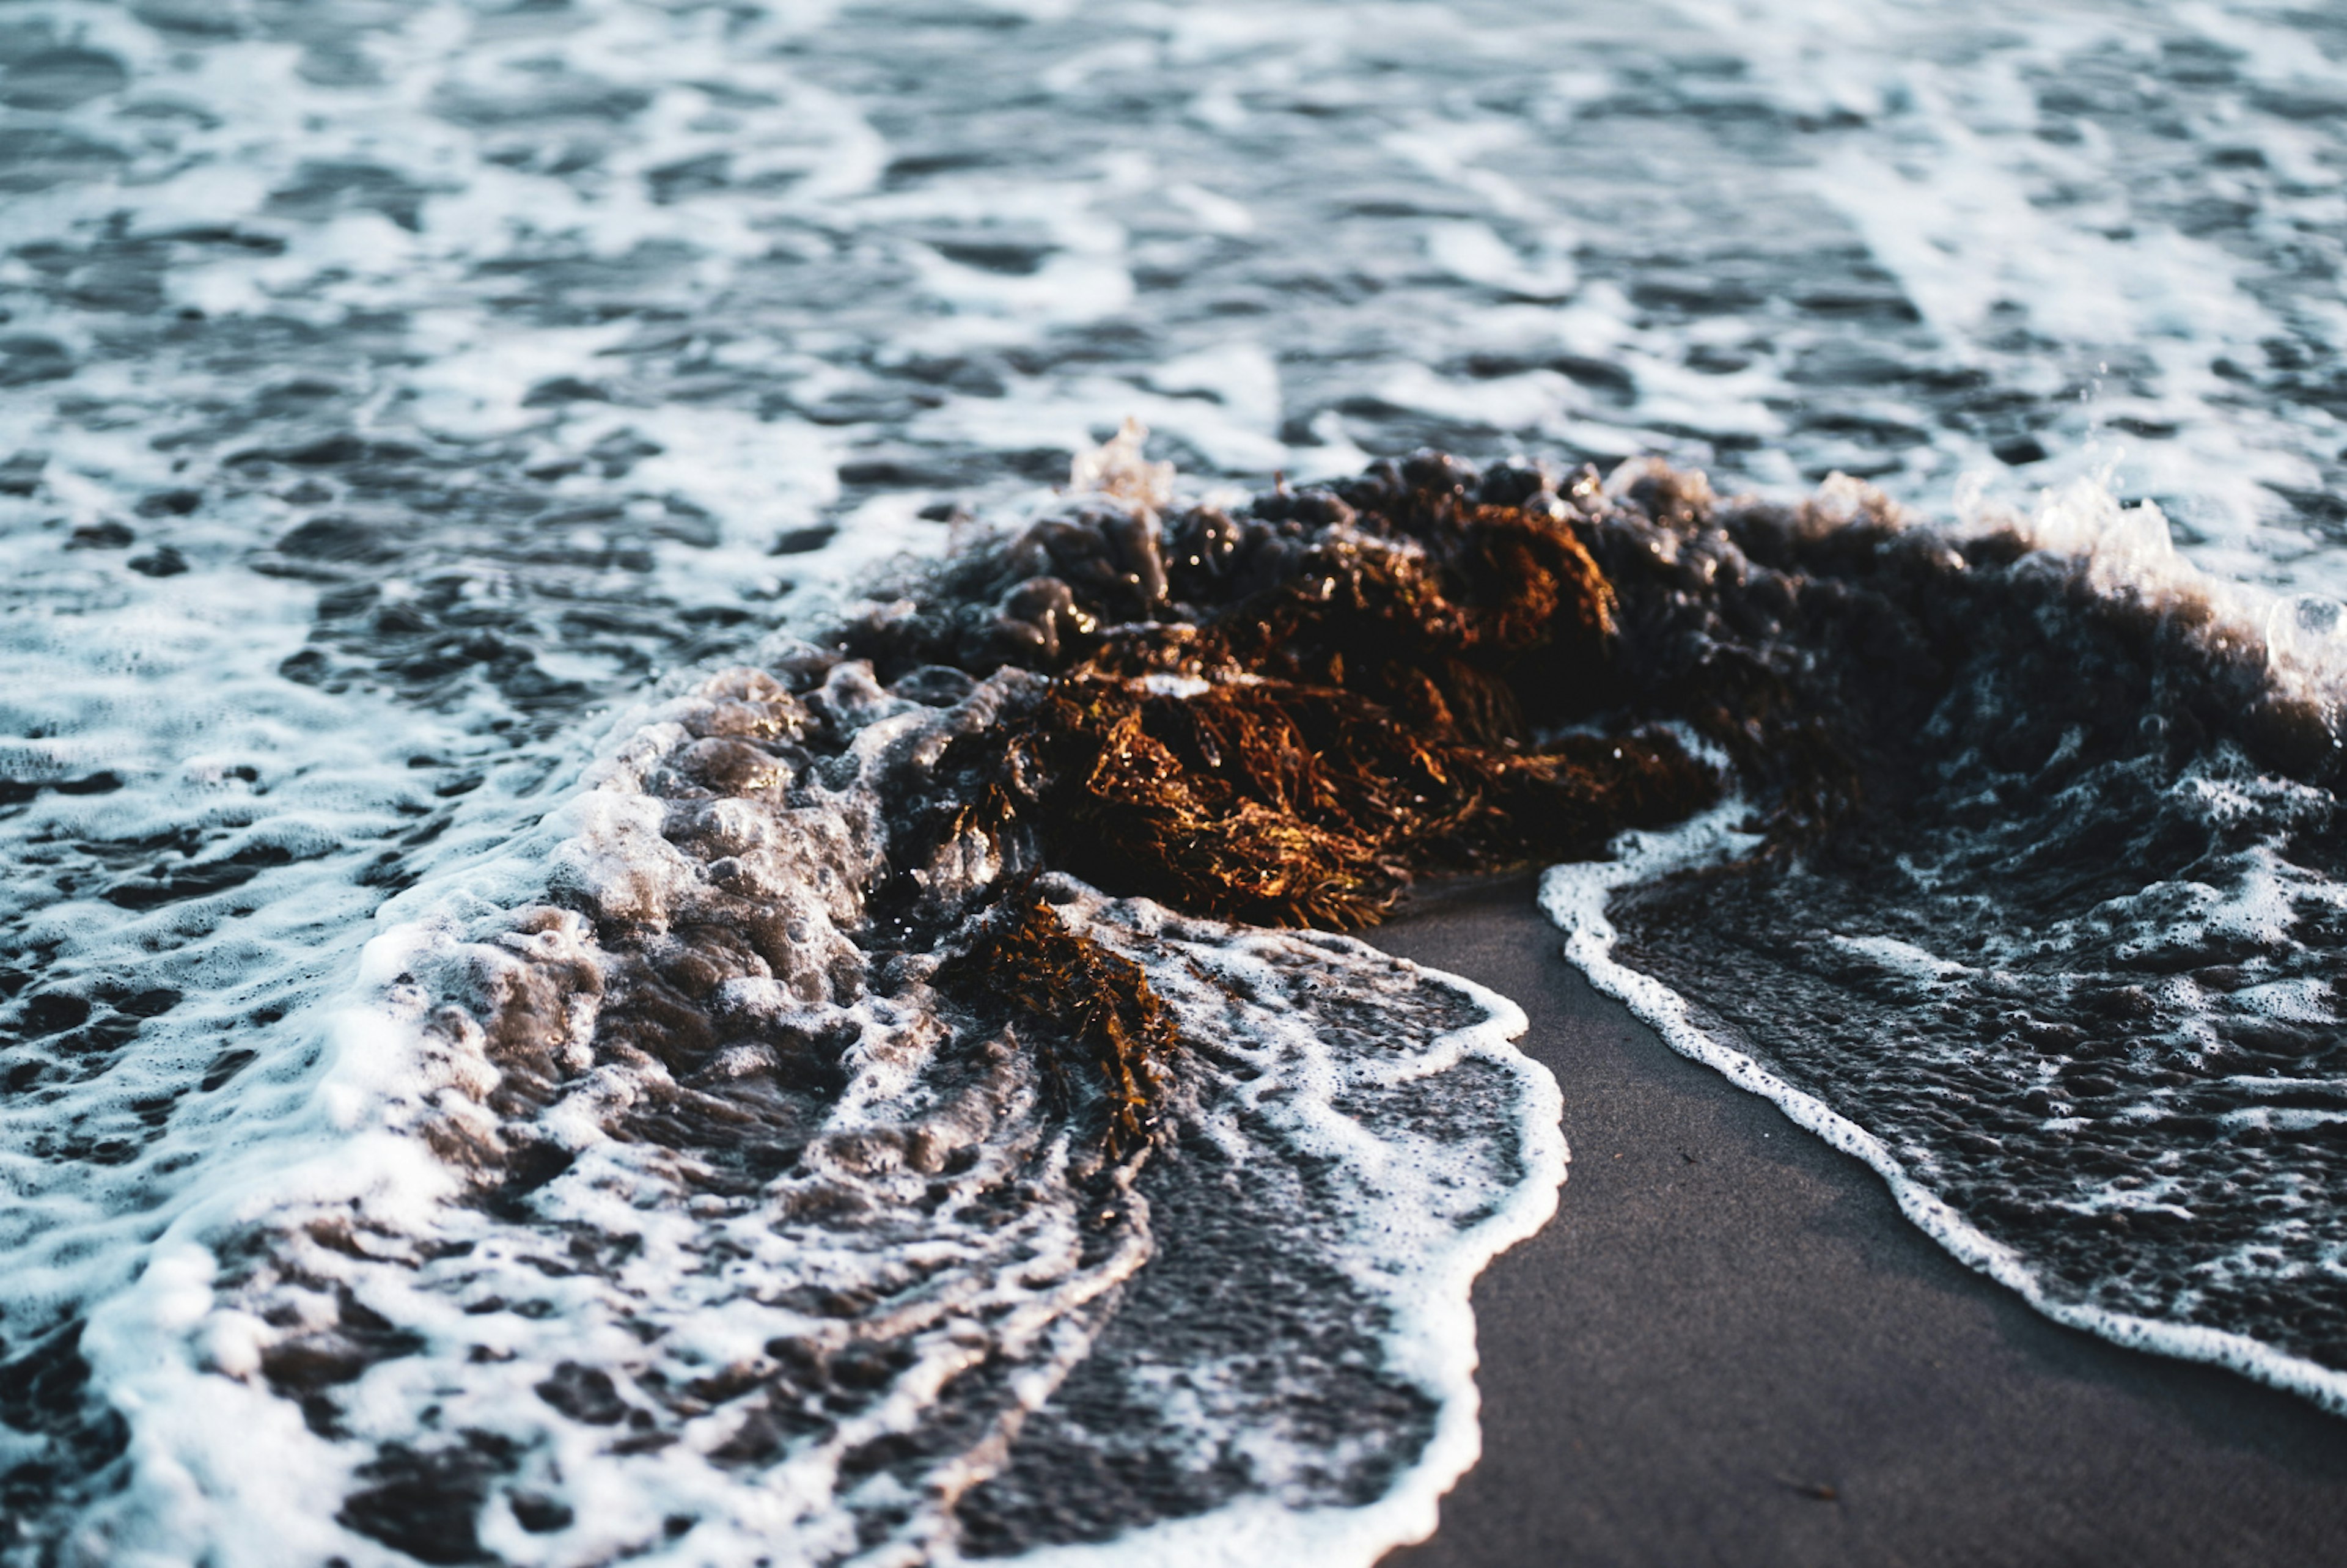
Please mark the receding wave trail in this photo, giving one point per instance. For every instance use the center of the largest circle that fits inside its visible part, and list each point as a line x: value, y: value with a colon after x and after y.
x: 2064, y: 970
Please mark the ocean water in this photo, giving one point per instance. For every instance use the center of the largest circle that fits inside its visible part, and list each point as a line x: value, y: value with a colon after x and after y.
x: 422, y: 426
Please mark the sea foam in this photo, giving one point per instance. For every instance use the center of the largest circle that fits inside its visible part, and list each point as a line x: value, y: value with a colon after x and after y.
x: 574, y: 1324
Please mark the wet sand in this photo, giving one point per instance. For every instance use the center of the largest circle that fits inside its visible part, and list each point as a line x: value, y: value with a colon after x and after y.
x: 1730, y: 1348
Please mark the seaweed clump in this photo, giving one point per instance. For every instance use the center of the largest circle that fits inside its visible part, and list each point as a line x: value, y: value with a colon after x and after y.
x: 1085, y: 1006
x: 1285, y: 804
x: 1288, y: 717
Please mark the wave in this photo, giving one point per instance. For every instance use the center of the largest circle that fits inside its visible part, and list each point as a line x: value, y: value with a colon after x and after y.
x: 875, y: 1118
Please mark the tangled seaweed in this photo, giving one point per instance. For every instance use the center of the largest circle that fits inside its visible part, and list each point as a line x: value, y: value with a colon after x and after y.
x: 1079, y: 999
x: 1301, y: 712
x: 1284, y: 718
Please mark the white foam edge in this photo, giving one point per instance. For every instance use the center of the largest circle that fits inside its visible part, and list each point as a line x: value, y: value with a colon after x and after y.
x: 2125, y: 555
x: 1433, y: 1332
x: 1574, y: 897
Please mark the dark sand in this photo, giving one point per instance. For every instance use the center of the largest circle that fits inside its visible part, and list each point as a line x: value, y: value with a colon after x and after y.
x: 1730, y: 1348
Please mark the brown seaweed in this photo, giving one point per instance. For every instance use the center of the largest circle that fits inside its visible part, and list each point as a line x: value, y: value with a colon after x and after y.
x: 1315, y: 706
x: 1284, y: 720
x: 1283, y: 804
x: 1076, y: 1000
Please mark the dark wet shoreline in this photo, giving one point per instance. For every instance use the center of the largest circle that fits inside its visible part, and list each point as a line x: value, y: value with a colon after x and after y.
x: 1730, y: 1347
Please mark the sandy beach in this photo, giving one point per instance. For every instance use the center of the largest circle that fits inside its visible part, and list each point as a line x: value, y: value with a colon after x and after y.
x: 1728, y: 1347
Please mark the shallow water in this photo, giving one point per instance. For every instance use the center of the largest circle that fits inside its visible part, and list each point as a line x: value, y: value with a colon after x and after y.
x: 397, y: 404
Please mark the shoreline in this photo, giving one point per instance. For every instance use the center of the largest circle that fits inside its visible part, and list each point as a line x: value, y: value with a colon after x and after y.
x: 1730, y: 1347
